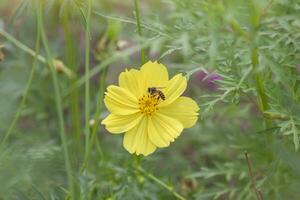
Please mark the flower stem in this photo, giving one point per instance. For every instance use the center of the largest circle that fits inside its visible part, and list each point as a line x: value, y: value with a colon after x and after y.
x: 262, y: 97
x: 257, y: 192
x: 58, y: 101
x: 26, y: 90
x: 96, y: 118
x: 87, y: 77
x: 22, y: 46
x: 71, y: 62
x: 139, y: 28
x: 26, y: 49
x: 161, y: 183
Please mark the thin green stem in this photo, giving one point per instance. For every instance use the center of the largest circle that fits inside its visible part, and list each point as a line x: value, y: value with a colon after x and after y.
x: 22, y: 46
x: 238, y: 29
x: 96, y: 119
x: 71, y: 62
x: 258, y: 193
x: 99, y: 149
x: 262, y: 97
x: 87, y: 77
x: 161, y: 183
x: 26, y: 90
x: 26, y: 49
x: 139, y: 28
x: 58, y: 102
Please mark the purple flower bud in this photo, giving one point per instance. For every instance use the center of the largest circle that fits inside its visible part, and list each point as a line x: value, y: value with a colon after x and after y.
x: 208, y: 80
x: 201, y: 75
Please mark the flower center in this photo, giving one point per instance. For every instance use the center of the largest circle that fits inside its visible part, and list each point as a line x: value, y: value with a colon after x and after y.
x: 148, y: 104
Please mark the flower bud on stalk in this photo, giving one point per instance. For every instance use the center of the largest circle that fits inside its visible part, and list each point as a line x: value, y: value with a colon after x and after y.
x: 92, y: 122
x: 61, y: 68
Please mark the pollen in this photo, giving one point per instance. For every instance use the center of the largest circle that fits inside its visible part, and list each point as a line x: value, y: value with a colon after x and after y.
x: 148, y: 104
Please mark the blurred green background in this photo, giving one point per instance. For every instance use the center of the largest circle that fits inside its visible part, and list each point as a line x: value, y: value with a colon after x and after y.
x: 242, y: 59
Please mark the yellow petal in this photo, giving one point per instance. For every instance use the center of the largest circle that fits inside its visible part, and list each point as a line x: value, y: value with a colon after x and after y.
x: 120, y: 101
x: 153, y: 74
x: 130, y: 80
x: 175, y: 87
x: 137, y: 141
x: 121, y: 123
x: 163, y: 129
x: 184, y: 109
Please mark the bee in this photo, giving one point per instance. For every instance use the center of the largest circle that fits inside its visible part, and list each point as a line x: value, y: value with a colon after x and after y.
x: 156, y: 92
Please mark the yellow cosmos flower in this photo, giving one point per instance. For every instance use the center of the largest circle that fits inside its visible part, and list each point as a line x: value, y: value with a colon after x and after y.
x: 149, y: 108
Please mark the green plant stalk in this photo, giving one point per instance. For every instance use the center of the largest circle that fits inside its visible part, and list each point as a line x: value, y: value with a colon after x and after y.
x: 22, y: 46
x: 99, y: 107
x: 57, y: 101
x: 262, y: 97
x: 238, y: 29
x: 139, y: 28
x: 99, y: 149
x: 74, y: 107
x: 96, y: 118
x: 161, y: 183
x: 257, y: 192
x: 87, y: 77
x: 26, y: 49
x: 26, y: 90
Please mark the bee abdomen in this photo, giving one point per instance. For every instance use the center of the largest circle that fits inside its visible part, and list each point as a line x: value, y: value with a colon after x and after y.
x: 162, y: 96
